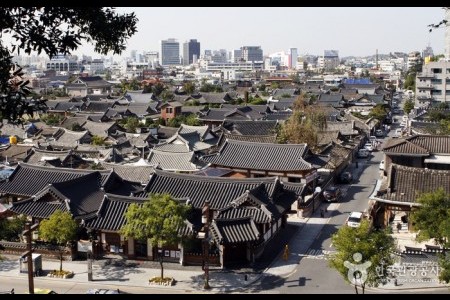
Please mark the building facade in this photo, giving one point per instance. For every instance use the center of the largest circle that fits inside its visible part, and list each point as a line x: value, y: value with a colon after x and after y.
x: 190, y: 48
x: 252, y: 53
x: 170, y: 52
x: 433, y: 83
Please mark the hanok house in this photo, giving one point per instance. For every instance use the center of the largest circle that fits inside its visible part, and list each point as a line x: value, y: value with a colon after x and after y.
x: 244, y: 216
x: 400, y: 190
x: 413, y: 165
x: 247, y: 159
x: 37, y: 191
x: 245, y: 213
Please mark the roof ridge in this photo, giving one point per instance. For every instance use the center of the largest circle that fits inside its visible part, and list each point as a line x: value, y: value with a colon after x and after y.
x: 213, y: 179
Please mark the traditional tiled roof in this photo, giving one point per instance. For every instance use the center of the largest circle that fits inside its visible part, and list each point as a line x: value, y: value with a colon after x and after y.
x: 335, y: 100
x: 279, y: 116
x: 68, y: 138
x: 67, y: 106
x: 260, y: 156
x: 404, y: 147
x: 327, y: 137
x: 259, y: 215
x: 200, y: 130
x: 165, y: 132
x: 424, y: 127
x: 405, y: 184
x: 38, y: 177
x: 190, y: 140
x: 198, y: 188
x: 98, y: 106
x: 172, y: 161
x: 131, y: 172
x: 436, y: 144
x: 69, y: 121
x: 81, y: 196
x: 262, y: 109
x: 172, y: 147
x: 241, y: 113
x: 234, y: 231
x: 111, y: 214
x: 278, y: 93
x: 214, y: 172
x: 272, y: 139
x: 259, y: 127
x: 39, y: 155
x: 98, y: 128
x: 15, y: 153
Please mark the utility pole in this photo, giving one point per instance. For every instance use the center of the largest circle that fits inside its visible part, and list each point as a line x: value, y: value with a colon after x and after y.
x: 27, y: 233
x: 205, y: 243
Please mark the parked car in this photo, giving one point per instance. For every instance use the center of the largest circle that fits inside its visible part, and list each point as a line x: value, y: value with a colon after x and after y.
x: 379, y: 133
x: 332, y: 193
x: 368, y: 147
x: 346, y: 177
x: 363, y: 153
x: 354, y: 219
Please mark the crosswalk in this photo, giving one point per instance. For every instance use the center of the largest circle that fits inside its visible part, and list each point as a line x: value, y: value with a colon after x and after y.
x: 318, y: 253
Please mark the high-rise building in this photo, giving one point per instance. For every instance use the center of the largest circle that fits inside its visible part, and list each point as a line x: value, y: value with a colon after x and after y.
x: 252, y: 53
x: 170, y: 52
x: 190, y: 48
x: 428, y: 51
x: 237, y: 55
x: 293, y: 56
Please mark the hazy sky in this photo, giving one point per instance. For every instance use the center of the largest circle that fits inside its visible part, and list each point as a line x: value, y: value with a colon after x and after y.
x: 352, y: 31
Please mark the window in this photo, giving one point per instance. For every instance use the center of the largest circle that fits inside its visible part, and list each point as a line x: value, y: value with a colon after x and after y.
x: 169, y: 110
x: 436, y: 92
x: 436, y: 71
x: 448, y: 71
x: 436, y: 81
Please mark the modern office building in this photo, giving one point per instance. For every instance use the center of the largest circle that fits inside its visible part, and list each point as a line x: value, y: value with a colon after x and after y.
x: 170, y: 52
x: 191, y: 48
x: 252, y: 53
x: 293, y: 56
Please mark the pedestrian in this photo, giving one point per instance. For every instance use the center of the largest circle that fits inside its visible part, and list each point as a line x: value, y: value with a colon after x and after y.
x: 322, y: 214
x: 399, y: 226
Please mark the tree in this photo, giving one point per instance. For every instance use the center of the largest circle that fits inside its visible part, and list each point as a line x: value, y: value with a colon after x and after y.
x: 158, y: 220
x: 189, y: 87
x: 432, y: 220
x: 192, y: 120
x: 11, y: 229
x: 408, y: 106
x: 59, y: 229
x: 362, y: 245
x: 303, y: 125
x: 378, y: 112
x: 131, y: 124
x: 53, y: 30
x: 76, y: 127
x: 97, y: 140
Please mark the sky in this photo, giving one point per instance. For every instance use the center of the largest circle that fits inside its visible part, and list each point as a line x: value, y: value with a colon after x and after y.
x: 352, y: 31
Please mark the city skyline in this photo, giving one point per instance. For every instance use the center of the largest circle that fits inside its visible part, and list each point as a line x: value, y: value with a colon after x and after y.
x: 352, y: 31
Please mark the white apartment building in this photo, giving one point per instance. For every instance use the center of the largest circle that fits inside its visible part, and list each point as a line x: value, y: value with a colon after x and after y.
x: 433, y: 83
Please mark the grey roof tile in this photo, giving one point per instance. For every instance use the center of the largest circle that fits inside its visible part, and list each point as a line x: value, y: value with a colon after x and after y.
x: 260, y: 156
